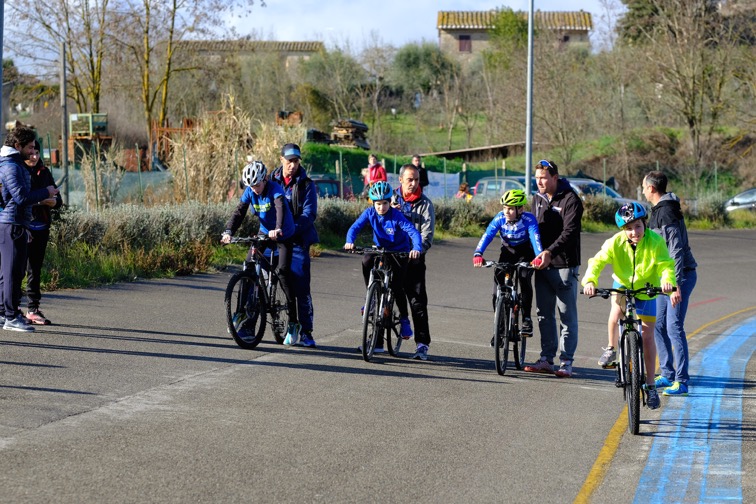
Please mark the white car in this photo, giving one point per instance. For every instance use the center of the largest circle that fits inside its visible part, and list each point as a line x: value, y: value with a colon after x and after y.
x: 588, y: 187
x: 745, y: 201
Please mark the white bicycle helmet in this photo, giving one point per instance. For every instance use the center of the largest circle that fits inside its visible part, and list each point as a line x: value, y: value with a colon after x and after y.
x: 254, y: 173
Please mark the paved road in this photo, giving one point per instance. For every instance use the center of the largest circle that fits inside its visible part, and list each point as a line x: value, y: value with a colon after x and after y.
x: 139, y: 395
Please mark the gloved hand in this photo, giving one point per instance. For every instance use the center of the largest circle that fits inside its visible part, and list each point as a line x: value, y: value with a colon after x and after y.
x: 478, y: 261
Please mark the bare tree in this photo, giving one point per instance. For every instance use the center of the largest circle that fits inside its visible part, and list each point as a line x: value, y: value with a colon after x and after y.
x: 377, y: 58
x: 692, y: 52
x: 39, y: 27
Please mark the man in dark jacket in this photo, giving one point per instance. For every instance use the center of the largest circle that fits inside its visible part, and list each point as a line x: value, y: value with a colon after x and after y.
x: 559, y: 212
x: 18, y: 198
x: 669, y: 332
x: 302, y: 195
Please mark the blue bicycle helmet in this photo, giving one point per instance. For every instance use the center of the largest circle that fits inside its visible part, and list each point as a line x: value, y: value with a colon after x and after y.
x: 629, y: 213
x: 381, y: 190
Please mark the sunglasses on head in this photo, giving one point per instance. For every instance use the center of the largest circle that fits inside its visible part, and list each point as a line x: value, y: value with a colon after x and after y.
x: 545, y: 164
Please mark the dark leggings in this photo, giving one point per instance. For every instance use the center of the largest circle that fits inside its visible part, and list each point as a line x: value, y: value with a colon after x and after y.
x: 36, y: 254
x: 526, y: 275
x: 284, y: 274
x: 398, y: 266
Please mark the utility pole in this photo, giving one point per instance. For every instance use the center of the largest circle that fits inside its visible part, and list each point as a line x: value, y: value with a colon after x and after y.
x: 64, y: 123
x: 529, y: 113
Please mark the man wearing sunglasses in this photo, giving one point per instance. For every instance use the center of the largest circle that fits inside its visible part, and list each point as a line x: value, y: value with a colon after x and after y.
x: 558, y: 211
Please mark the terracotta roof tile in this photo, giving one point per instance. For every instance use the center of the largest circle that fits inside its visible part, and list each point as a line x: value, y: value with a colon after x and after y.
x: 484, y: 20
x: 250, y: 46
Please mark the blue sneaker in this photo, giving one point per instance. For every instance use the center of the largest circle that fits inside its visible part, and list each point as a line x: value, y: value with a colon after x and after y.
x: 306, y: 340
x: 421, y: 353
x: 292, y: 334
x: 406, y: 328
x: 677, y: 389
x: 662, y: 382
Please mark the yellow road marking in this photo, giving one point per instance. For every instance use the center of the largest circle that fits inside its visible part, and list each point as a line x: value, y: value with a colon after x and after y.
x: 611, y: 444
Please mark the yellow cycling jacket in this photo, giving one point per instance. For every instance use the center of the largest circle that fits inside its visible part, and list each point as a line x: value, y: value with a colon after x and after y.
x: 648, y: 262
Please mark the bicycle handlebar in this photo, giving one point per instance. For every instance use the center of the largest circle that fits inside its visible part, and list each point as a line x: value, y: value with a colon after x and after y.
x: 505, y: 265
x: 258, y: 239
x: 649, y: 290
x: 376, y: 250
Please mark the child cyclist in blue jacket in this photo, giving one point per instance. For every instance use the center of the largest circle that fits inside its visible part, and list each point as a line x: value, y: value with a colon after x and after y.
x: 392, y: 231
x: 520, y: 241
x: 269, y: 203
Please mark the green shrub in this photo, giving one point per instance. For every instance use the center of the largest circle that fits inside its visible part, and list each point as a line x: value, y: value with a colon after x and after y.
x: 599, y: 209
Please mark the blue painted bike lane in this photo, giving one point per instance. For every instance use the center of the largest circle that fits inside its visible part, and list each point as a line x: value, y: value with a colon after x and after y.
x: 696, y: 453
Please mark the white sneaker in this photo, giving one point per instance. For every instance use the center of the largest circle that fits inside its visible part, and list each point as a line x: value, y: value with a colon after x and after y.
x: 292, y: 335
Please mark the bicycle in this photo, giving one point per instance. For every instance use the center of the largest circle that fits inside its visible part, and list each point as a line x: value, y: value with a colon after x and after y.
x: 631, y: 371
x: 253, y: 294
x: 380, y: 317
x: 507, y: 314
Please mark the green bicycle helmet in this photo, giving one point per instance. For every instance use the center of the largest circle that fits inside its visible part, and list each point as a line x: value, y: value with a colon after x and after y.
x: 381, y: 190
x: 515, y: 198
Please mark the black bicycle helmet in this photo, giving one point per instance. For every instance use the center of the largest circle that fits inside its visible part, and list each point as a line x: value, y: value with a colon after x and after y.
x: 514, y: 197
x: 381, y: 190
x: 254, y: 173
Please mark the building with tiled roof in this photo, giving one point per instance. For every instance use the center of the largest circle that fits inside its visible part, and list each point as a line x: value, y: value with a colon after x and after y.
x: 220, y: 50
x: 463, y: 33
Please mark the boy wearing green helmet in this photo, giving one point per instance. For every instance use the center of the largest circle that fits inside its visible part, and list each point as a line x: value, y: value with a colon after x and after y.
x: 520, y: 241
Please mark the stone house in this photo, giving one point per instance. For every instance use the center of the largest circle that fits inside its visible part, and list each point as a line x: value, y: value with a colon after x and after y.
x: 218, y: 50
x: 464, y: 33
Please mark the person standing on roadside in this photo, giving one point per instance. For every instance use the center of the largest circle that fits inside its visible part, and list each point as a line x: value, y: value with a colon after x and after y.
x: 39, y: 228
x: 302, y: 195
x: 418, y: 209
x: 669, y: 332
x: 417, y: 162
x: 558, y: 211
x: 18, y: 198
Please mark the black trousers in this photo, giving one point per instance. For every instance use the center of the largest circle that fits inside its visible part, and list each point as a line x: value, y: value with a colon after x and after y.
x: 36, y: 257
x: 414, y: 287
x: 520, y: 254
x: 398, y: 266
x: 13, y: 244
x: 283, y: 263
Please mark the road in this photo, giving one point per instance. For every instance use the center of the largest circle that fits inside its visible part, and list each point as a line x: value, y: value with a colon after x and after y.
x: 138, y: 394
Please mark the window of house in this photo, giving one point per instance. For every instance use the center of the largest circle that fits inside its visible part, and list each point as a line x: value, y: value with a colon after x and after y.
x: 465, y: 44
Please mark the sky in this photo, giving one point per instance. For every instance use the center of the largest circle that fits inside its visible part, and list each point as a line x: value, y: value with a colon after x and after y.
x: 397, y: 22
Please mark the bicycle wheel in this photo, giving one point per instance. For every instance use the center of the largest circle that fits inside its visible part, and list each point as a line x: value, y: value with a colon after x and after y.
x: 245, y: 313
x: 518, y: 342
x: 633, y: 388
x: 392, y: 326
x: 502, y: 323
x: 371, y: 320
x: 278, y: 309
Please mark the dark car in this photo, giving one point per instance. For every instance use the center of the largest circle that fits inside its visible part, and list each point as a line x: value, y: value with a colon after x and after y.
x: 328, y: 187
x: 494, y: 187
x: 743, y: 201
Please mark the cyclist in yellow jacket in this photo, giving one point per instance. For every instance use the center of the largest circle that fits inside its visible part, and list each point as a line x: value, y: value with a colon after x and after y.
x: 638, y: 256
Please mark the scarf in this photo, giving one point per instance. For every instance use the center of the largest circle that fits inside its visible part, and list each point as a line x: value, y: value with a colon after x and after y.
x: 411, y: 198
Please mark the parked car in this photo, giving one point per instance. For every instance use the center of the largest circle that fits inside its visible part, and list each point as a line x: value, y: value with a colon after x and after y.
x: 494, y: 187
x: 588, y: 187
x: 328, y: 186
x: 743, y: 201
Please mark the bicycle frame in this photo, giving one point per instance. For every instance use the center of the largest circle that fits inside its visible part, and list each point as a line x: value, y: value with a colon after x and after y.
x: 627, y: 325
x: 386, y: 322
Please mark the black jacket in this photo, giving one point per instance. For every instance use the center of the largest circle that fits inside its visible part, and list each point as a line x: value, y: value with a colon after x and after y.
x: 559, y: 222
x: 40, y: 179
x: 667, y: 220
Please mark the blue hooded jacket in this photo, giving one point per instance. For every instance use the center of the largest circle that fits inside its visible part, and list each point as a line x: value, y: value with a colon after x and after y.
x: 17, y: 195
x: 391, y: 231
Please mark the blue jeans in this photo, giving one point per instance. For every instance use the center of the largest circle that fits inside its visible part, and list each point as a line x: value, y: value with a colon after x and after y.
x: 557, y: 289
x: 669, y: 331
x: 300, y: 276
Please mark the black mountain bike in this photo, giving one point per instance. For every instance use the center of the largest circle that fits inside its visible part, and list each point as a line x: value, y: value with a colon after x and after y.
x: 253, y: 294
x: 507, y: 316
x: 631, y: 370
x: 380, y: 318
